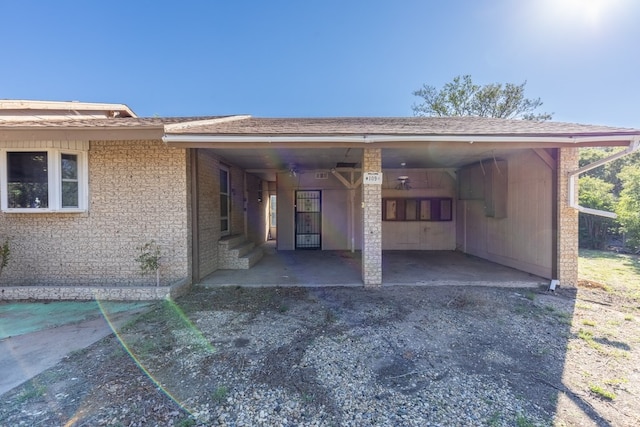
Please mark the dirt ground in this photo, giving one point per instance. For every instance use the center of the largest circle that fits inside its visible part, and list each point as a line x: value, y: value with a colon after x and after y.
x: 566, y: 358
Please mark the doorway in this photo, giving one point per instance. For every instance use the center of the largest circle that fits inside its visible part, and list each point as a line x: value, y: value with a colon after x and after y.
x: 308, y: 220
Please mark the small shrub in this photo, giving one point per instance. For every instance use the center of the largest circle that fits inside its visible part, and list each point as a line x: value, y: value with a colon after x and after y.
x: 588, y: 322
x: 149, y: 259
x: 5, y: 252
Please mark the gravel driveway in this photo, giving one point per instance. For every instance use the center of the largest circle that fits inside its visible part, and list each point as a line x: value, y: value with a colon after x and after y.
x: 401, y: 356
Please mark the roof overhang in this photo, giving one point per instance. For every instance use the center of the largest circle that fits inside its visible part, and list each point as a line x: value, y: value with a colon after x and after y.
x: 19, y: 110
x: 82, y: 134
x: 524, y: 141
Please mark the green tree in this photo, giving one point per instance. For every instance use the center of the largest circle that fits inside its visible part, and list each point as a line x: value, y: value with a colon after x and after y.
x: 628, y: 207
x: 608, y: 172
x: 595, y: 193
x: 462, y: 97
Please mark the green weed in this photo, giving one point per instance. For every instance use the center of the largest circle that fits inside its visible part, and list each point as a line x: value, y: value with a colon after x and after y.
x: 601, y: 392
x: 522, y: 421
x: 220, y: 394
x: 31, y: 391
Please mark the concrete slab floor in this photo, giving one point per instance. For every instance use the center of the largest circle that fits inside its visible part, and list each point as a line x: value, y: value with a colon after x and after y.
x: 344, y: 268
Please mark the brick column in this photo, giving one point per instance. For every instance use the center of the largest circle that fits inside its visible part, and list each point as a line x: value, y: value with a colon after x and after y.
x: 567, y: 220
x: 372, y: 221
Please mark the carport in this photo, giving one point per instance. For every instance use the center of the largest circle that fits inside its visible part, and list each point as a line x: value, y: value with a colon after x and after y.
x: 408, y: 200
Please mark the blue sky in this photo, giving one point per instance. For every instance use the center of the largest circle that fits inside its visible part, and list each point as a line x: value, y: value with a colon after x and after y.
x: 321, y: 58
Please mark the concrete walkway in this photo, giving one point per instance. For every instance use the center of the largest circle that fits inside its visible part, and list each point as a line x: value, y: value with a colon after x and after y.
x: 36, y: 336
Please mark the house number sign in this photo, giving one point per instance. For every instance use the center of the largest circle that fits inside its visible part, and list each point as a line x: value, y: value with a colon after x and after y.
x: 372, y: 178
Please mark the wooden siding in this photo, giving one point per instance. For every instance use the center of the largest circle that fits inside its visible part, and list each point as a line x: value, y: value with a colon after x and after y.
x: 523, y: 239
x: 419, y: 235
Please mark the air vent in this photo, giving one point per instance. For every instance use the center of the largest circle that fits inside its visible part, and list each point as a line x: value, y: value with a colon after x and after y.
x: 322, y: 175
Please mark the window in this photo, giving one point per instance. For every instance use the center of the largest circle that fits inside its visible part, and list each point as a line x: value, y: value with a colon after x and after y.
x: 225, y: 205
x: 43, y: 181
x: 273, y: 218
x: 417, y: 209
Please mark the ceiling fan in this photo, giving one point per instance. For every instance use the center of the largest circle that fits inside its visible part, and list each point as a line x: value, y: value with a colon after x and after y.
x: 403, y: 183
x: 403, y: 180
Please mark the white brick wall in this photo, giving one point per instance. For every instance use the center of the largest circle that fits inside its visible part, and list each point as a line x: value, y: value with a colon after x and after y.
x: 372, y: 221
x: 567, y: 220
x: 129, y: 204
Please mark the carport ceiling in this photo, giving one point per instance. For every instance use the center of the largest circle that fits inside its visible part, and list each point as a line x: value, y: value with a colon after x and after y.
x: 266, y: 162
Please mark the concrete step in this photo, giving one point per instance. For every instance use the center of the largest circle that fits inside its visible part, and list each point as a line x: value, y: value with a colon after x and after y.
x: 252, y: 258
x: 242, y: 249
x: 229, y: 242
x: 236, y: 253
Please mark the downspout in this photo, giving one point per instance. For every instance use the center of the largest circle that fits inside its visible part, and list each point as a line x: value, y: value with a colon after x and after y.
x: 634, y: 145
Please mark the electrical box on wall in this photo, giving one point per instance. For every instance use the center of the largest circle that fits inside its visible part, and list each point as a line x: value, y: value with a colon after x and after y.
x: 495, y: 189
x: 486, y: 181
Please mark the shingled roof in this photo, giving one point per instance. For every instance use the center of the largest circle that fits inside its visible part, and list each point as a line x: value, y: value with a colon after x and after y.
x: 398, y: 126
x: 116, y: 122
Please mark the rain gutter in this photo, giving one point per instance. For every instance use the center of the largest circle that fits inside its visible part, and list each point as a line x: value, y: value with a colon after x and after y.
x: 372, y: 139
x: 634, y: 146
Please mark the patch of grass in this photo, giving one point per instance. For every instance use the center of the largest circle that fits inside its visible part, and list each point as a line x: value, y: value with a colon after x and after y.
x: 620, y: 273
x: 220, y: 394
x: 617, y: 353
x: 187, y: 422
x: 583, y: 306
x: 283, y: 308
x: 146, y: 347
x: 495, y: 420
x: 587, y: 337
x: 589, y: 322
x: 531, y: 296
x: 521, y: 309
x: 628, y: 318
x: 522, y: 421
x: 31, y: 391
x: 616, y: 381
x: 330, y: 316
x: 563, y: 317
x: 601, y: 392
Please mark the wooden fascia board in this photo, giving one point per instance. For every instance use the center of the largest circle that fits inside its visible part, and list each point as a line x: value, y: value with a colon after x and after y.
x: 399, y: 144
x: 77, y: 134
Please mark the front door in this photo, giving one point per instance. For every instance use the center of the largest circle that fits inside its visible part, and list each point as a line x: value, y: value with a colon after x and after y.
x: 308, y: 219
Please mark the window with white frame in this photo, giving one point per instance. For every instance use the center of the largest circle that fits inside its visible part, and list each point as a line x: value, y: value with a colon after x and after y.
x: 44, y: 180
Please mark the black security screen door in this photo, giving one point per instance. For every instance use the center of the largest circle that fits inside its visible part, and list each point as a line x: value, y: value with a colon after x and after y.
x: 308, y: 219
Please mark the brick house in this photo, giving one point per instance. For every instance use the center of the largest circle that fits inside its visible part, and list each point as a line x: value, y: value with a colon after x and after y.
x: 83, y: 186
